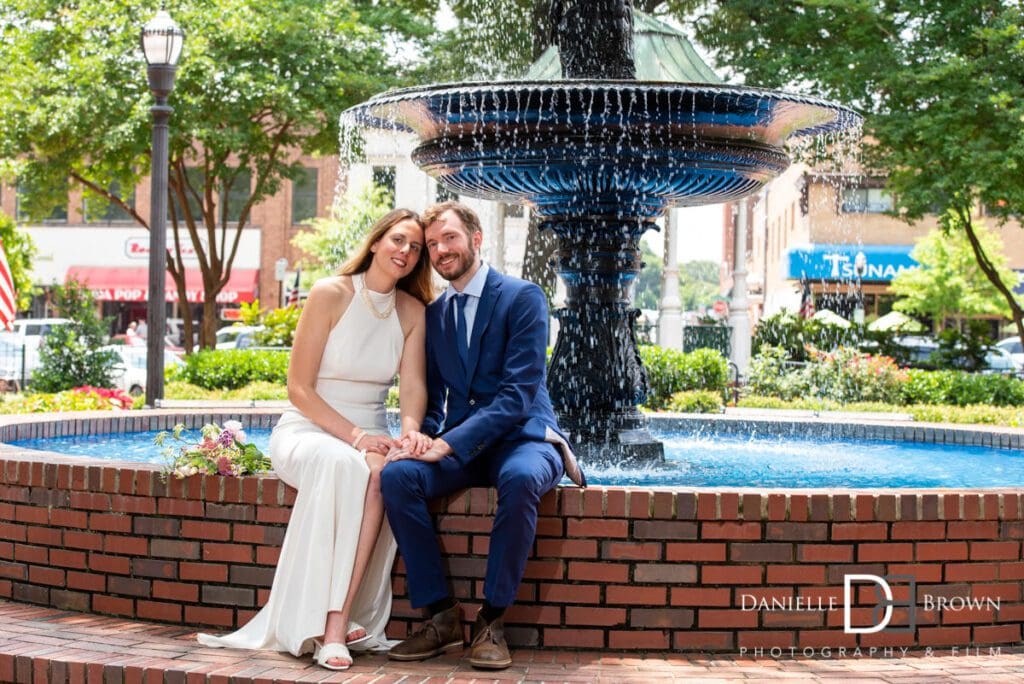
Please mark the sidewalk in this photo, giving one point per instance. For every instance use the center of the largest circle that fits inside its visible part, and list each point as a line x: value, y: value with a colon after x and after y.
x: 48, y: 645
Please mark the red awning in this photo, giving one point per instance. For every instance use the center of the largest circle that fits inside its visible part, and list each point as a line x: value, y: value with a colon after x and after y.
x: 109, y: 284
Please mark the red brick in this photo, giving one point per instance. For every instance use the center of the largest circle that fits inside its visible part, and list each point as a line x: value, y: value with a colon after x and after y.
x: 12, y: 531
x: 968, y: 616
x: 573, y: 638
x: 824, y: 553
x: 796, y: 531
x: 944, y: 636
x: 631, y: 550
x: 111, y: 564
x: 39, y: 555
x: 456, y: 544
x: 701, y: 596
x: 87, y: 581
x: 203, y: 572
x: 598, y: 571
x: 689, y: 640
x: 1002, y: 550
x: 730, y: 530
x: 635, y: 595
x: 918, y: 530
x: 796, y: 574
x: 644, y: 640
x: 204, y: 529
x: 32, y: 515
x: 891, y: 551
x: 726, y: 619
x: 569, y: 593
x: 765, y: 639
x: 1006, y: 591
x: 761, y: 552
x: 971, y: 572
x: 793, y: 618
x: 673, y: 530
x: 143, y: 505
x: 131, y: 546
x: 830, y: 639
x: 707, y: 506
x: 730, y: 574
x: 47, y: 536
x: 68, y: 559
x: 268, y: 555
x: 83, y: 540
x: 551, y: 570
x: 566, y: 548
x: 110, y: 522
x: 798, y: 507
x: 961, y: 529
x: 858, y: 531
x: 156, y: 610
x: 219, y: 617
x: 682, y: 551
x: 48, y: 576
x: 665, y: 573
x: 777, y: 507
x: 113, y: 605
x: 591, y: 617
x: 176, y: 591
x: 996, y: 634
x: 232, y: 553
x: 941, y: 551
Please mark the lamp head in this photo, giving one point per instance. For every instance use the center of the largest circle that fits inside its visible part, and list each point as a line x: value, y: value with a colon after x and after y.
x: 162, y: 40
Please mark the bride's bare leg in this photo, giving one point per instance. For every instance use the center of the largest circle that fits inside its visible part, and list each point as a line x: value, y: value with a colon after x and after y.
x: 373, y: 517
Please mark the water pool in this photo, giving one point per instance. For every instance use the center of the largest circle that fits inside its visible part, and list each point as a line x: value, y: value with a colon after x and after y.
x: 697, y: 459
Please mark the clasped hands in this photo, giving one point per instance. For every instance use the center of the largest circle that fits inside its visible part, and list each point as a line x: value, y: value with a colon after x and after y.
x: 413, y: 444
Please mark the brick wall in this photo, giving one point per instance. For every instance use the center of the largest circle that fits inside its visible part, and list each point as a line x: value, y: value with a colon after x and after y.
x: 616, y: 568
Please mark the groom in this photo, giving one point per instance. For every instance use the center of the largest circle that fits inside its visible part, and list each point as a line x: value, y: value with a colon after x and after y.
x: 492, y: 422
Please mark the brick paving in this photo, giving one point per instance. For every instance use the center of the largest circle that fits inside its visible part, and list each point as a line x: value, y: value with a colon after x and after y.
x: 39, y: 644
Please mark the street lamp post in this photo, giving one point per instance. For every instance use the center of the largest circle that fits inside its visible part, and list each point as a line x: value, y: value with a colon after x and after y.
x: 860, y: 269
x: 161, y: 40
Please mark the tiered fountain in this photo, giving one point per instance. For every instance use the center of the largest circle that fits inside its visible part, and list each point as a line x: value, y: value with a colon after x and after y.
x: 600, y: 156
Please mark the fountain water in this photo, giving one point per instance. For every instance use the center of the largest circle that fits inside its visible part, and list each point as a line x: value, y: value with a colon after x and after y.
x: 599, y: 158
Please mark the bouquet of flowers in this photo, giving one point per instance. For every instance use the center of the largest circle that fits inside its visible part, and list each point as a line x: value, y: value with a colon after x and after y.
x: 221, y: 451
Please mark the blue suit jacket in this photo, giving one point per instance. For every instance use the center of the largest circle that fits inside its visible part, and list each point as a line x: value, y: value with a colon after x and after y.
x: 503, y: 394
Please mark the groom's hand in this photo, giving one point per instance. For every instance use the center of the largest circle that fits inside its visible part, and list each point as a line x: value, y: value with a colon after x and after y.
x: 416, y: 442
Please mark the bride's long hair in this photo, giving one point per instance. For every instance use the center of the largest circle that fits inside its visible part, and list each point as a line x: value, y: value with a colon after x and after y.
x: 419, y: 282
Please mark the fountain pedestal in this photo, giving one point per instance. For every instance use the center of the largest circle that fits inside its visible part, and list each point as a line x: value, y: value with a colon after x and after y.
x: 598, y: 260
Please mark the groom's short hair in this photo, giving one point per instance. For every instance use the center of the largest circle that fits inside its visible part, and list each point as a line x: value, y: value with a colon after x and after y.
x: 468, y: 217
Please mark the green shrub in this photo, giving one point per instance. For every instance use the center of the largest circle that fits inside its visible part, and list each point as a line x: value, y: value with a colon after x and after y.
x: 696, y: 402
x: 670, y: 371
x: 983, y: 415
x: 847, y: 375
x: 234, y: 368
x: 279, y: 327
x: 959, y: 388
x: 259, y: 391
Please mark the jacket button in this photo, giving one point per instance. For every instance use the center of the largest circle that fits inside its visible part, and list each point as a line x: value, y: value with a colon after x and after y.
x: 472, y: 402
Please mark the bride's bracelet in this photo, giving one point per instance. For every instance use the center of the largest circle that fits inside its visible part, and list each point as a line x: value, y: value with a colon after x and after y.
x: 359, y: 437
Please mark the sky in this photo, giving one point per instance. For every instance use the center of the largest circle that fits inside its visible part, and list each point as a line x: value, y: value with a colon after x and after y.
x: 700, y: 237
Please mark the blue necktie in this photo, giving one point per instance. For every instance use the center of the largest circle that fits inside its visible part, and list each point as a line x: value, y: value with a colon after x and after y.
x: 461, y: 335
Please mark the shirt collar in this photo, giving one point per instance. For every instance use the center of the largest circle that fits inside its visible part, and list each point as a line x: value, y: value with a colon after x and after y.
x: 474, y: 287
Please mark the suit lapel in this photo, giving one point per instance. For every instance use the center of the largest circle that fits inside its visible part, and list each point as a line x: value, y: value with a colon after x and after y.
x: 488, y: 298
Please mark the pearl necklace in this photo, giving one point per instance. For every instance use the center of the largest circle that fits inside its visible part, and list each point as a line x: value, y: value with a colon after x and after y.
x: 382, y: 315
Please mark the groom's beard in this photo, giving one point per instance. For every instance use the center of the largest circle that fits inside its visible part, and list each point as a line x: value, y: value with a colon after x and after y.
x: 457, y: 268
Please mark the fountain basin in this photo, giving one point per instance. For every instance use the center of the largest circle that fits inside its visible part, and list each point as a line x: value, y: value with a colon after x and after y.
x: 611, y: 148
x: 627, y: 568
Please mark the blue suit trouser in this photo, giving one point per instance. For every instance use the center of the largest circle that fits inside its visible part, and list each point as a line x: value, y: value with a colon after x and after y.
x: 522, y: 472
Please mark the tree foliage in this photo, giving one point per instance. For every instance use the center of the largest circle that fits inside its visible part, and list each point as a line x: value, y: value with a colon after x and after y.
x: 20, y: 250
x: 948, y: 281
x: 257, y: 82
x: 72, y: 355
x: 941, y: 84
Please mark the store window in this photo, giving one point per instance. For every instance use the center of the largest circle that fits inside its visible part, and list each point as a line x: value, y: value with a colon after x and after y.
x: 229, y: 206
x: 304, y: 196
x: 866, y: 201
x: 97, y: 209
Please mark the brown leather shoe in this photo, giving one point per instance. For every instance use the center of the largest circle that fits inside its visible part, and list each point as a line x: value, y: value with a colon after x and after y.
x: 442, y: 632
x: 489, y: 650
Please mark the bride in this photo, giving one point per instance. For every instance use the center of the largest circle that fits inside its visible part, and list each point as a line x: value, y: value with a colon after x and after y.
x: 332, y: 587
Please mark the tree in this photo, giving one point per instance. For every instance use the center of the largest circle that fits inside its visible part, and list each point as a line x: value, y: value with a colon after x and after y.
x: 72, y: 355
x: 328, y: 241
x: 698, y: 284
x: 941, y: 84
x: 949, y: 281
x: 258, y: 82
x: 648, y: 284
x: 20, y: 250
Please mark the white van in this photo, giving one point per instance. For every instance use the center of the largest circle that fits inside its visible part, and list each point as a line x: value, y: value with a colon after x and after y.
x: 30, y: 331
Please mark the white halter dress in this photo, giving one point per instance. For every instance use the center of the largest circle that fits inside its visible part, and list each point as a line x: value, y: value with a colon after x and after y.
x: 359, y: 363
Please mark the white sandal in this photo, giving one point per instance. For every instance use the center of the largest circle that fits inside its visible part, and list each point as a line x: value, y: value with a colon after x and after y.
x: 332, y: 651
x: 355, y: 627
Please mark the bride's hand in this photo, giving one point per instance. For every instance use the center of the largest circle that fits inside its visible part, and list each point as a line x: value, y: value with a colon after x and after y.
x: 380, y: 444
x: 416, y: 442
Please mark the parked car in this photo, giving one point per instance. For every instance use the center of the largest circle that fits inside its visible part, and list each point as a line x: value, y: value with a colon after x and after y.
x: 998, y: 361
x: 1014, y: 348
x: 130, y: 372
x: 237, y: 337
x: 31, y: 331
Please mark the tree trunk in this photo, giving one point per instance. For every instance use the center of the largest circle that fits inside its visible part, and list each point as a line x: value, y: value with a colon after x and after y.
x: 992, y: 274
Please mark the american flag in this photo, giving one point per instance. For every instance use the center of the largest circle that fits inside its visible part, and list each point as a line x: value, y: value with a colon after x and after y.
x: 293, y: 293
x: 8, y: 308
x: 806, y: 301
